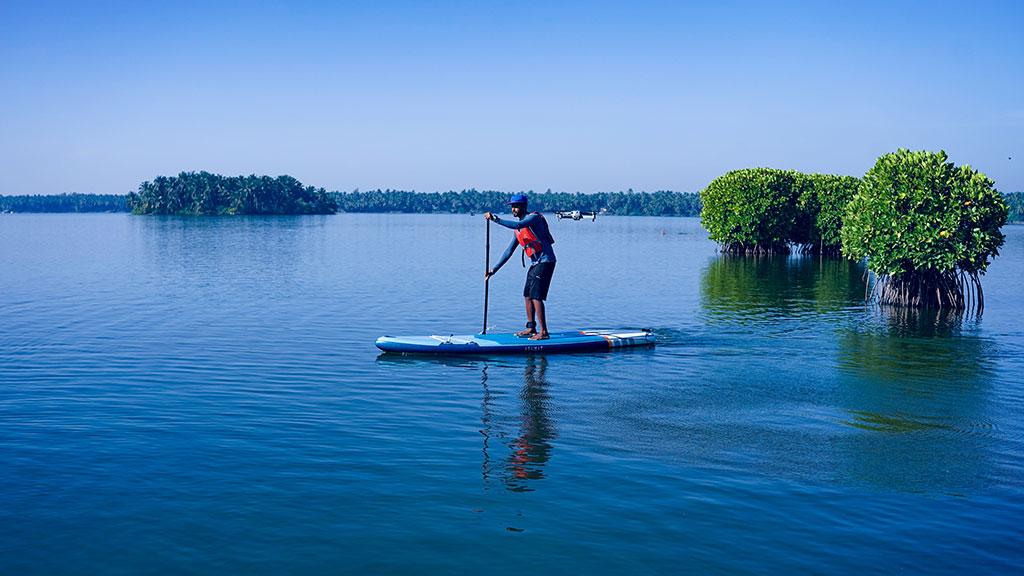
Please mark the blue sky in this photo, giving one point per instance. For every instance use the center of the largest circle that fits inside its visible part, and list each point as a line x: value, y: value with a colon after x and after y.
x: 576, y: 96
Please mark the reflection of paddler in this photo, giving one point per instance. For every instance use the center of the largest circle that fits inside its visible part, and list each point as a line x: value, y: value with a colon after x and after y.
x: 532, y: 448
x: 520, y: 458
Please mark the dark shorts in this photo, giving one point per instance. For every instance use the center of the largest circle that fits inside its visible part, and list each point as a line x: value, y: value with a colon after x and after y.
x: 538, y: 280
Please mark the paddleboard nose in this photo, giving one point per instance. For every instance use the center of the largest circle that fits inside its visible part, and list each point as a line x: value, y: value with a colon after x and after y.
x: 385, y: 342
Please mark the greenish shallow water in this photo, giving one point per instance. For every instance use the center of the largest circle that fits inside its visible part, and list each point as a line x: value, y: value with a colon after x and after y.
x: 203, y: 396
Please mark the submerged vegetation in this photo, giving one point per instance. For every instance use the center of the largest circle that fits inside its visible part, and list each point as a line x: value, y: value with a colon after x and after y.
x: 928, y: 229
x: 203, y: 193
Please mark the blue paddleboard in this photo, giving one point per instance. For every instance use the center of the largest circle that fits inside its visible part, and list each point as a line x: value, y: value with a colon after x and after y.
x: 575, y: 341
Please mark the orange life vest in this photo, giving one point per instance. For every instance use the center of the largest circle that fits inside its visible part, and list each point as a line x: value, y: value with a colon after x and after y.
x: 528, y: 240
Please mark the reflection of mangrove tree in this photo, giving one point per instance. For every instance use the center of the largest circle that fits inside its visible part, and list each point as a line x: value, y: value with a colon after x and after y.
x: 904, y: 344
x: 749, y: 286
x: 915, y: 397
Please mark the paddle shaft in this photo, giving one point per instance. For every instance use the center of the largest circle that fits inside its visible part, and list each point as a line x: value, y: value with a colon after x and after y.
x: 487, y: 268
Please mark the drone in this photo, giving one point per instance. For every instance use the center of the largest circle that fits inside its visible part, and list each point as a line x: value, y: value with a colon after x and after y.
x: 576, y: 214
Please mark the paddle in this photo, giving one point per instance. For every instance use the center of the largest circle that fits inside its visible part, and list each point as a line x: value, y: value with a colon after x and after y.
x: 487, y: 278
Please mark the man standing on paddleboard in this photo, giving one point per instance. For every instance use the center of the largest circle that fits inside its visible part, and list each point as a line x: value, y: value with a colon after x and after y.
x: 531, y: 232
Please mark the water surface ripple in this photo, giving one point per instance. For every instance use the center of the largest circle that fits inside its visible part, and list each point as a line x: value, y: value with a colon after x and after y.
x: 202, y: 395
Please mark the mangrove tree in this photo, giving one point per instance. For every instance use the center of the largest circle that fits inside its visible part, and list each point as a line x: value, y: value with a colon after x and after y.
x: 927, y: 228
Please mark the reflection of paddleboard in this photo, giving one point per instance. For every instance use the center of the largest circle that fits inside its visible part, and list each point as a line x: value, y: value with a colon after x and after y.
x: 576, y: 341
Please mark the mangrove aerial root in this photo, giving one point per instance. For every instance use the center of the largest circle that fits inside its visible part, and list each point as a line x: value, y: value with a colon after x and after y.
x: 953, y: 290
x: 755, y: 249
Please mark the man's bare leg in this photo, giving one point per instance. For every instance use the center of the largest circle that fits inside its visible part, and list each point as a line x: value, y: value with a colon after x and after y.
x: 542, y: 321
x: 530, y: 322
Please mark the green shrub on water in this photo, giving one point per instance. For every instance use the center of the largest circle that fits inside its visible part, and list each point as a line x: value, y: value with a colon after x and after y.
x: 752, y: 211
x: 823, y: 199
x: 928, y: 229
x: 764, y: 210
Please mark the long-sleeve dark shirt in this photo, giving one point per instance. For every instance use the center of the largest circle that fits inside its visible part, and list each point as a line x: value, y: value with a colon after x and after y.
x: 539, y: 225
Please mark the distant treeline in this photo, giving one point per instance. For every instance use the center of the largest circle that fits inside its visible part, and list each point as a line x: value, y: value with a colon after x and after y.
x: 629, y: 203
x: 1015, y: 202
x: 203, y: 193
x: 65, y: 203
x: 189, y: 198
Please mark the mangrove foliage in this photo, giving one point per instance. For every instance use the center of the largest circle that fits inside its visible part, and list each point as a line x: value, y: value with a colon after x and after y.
x: 823, y: 201
x: 752, y: 211
x: 766, y: 211
x: 928, y: 229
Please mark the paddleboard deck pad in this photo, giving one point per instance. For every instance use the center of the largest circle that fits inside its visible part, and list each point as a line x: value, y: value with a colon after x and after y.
x: 558, y: 342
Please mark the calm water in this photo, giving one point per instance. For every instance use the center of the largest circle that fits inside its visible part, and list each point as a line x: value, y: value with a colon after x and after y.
x: 203, y: 396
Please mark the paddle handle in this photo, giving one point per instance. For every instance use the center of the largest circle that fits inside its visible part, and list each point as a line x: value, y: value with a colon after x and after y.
x: 487, y: 268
